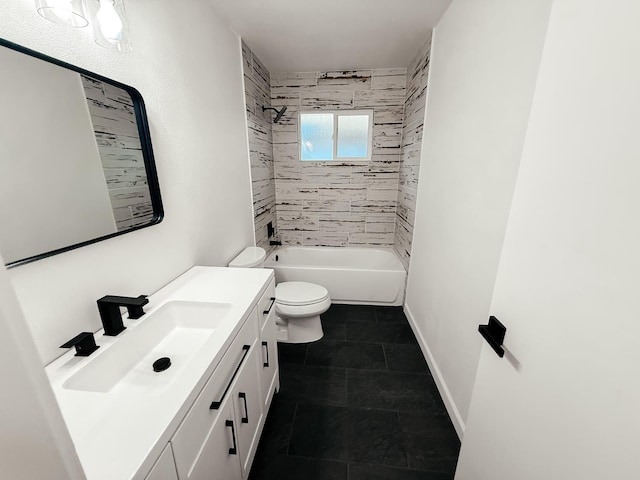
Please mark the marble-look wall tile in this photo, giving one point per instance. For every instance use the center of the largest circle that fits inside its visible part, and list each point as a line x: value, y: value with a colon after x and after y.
x: 257, y: 86
x: 413, y: 124
x: 326, y: 239
x: 354, y: 202
x: 348, y: 80
x: 118, y: 141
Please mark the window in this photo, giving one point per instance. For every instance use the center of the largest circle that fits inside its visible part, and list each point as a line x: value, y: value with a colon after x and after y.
x: 336, y: 135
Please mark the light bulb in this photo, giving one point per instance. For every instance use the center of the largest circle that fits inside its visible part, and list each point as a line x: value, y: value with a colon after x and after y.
x: 63, y: 9
x: 109, y: 21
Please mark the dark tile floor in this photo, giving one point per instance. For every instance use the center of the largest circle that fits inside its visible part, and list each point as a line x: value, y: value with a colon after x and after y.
x: 359, y: 404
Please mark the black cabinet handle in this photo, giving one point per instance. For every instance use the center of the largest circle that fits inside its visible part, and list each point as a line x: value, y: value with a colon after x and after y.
x: 494, y: 333
x: 266, y: 347
x: 243, y: 396
x: 233, y: 450
x: 273, y: 300
x: 215, y: 405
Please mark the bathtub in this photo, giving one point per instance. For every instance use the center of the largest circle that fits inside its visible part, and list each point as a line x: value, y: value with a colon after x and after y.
x: 371, y: 276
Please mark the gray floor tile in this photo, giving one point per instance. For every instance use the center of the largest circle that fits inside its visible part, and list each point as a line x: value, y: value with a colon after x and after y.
x: 376, y: 472
x: 277, y: 429
x: 405, y: 358
x: 390, y: 314
x: 375, y: 437
x: 288, y: 467
x: 360, y: 404
x: 334, y: 331
x: 320, y: 431
x: 380, y: 332
x: 331, y: 353
x: 431, y: 441
x: 392, y: 391
x: 292, y: 353
x: 343, y: 313
x: 311, y: 384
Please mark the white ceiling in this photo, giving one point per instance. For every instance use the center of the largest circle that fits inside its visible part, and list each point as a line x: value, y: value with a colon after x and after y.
x: 319, y: 35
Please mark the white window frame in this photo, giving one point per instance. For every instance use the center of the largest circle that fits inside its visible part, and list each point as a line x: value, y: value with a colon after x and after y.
x: 334, y: 138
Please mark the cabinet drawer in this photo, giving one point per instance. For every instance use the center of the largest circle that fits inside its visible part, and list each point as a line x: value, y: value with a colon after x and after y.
x: 195, y: 428
x: 266, y: 304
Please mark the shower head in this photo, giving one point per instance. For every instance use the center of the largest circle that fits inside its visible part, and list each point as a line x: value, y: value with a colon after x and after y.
x: 279, y: 113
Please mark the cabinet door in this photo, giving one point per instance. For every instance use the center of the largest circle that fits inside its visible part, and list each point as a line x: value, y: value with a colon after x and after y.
x: 220, y: 456
x: 269, y: 378
x: 165, y: 467
x: 247, y: 402
x: 188, y: 440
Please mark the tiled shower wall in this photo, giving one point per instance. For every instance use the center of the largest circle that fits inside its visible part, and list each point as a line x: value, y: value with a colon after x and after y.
x: 414, y: 105
x: 258, y: 93
x: 338, y: 203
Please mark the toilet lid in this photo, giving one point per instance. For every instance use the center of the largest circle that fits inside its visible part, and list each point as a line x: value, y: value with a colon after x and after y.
x: 300, y: 293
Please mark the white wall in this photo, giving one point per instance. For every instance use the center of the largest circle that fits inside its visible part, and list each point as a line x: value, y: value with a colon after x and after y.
x: 568, y: 285
x: 52, y: 188
x: 484, y: 63
x: 187, y: 65
x: 34, y: 442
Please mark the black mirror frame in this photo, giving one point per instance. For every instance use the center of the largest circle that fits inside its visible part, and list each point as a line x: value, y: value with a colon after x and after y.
x: 145, y: 141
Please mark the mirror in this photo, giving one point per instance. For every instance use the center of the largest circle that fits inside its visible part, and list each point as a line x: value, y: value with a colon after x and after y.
x: 76, y: 164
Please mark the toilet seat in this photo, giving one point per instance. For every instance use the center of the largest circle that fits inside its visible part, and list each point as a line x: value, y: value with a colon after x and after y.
x: 296, y: 294
x: 301, y: 300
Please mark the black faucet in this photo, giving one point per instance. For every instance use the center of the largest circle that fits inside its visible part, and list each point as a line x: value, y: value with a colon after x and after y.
x: 109, y: 308
x: 84, y: 342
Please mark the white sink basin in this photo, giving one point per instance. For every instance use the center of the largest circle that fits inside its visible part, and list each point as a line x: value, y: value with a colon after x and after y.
x: 177, y: 330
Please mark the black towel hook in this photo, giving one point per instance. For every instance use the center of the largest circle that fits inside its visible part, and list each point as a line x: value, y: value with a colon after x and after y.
x: 494, y: 334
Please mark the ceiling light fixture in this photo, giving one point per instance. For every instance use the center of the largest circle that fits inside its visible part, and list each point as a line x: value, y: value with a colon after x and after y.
x: 110, y: 25
x: 65, y: 12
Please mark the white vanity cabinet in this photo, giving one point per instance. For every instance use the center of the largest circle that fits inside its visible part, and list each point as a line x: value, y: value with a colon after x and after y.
x: 219, y: 436
x: 200, y: 419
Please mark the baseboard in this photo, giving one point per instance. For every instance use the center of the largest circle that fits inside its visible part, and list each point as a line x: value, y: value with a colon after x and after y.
x: 449, y: 404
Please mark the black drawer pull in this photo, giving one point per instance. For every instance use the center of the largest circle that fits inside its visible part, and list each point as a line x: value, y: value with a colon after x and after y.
x: 215, y: 405
x: 233, y: 450
x: 273, y: 300
x: 243, y: 396
x: 266, y: 347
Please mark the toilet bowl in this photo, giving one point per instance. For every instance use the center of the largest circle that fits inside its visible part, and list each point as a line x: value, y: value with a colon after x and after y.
x: 298, y: 305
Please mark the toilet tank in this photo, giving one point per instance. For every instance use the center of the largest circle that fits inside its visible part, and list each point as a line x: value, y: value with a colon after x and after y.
x: 250, y: 257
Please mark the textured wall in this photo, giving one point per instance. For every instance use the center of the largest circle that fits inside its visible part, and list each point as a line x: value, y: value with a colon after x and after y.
x: 258, y: 93
x: 338, y: 203
x: 474, y: 132
x: 200, y: 145
x: 413, y: 124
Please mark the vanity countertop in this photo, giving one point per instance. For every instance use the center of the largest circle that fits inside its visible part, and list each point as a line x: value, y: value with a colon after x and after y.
x: 120, y: 433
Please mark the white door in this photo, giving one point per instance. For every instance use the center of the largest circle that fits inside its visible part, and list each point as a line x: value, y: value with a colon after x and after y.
x: 565, y: 402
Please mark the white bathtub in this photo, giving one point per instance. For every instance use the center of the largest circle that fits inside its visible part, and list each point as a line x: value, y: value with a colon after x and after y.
x: 371, y: 276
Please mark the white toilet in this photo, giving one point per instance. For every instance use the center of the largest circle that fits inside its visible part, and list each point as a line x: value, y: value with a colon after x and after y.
x: 298, y: 304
